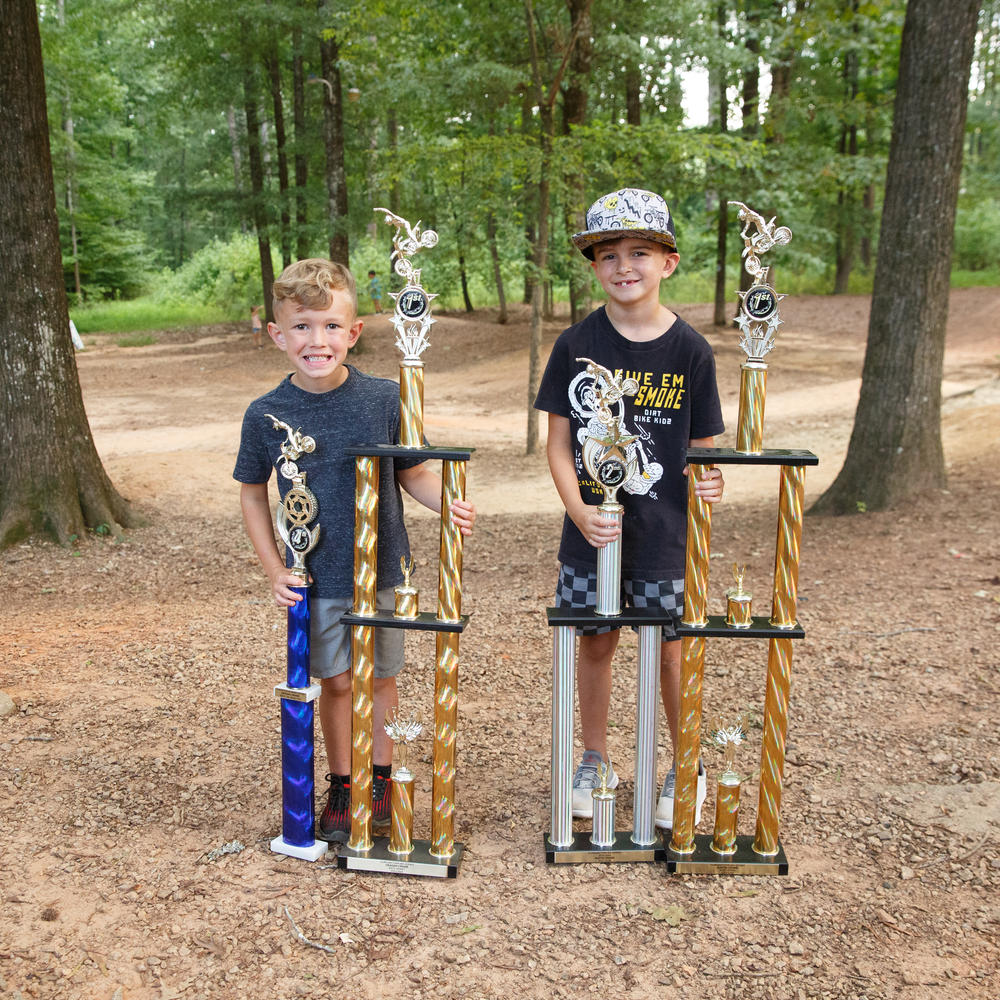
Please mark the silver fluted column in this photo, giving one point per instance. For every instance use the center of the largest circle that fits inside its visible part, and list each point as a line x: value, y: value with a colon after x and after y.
x: 563, y: 686
x: 646, y: 714
x: 609, y: 565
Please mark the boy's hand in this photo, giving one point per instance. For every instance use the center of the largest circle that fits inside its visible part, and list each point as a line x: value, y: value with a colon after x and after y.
x: 597, y: 530
x: 463, y: 515
x: 709, y: 488
x: 281, y: 583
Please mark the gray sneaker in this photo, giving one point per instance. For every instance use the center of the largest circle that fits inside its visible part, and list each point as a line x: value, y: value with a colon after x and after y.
x: 586, y: 779
x: 665, y: 805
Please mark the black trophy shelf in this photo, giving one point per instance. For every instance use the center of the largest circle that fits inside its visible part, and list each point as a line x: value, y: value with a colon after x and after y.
x: 397, y: 451
x: 769, y: 456
x: 760, y: 628
x: 587, y: 616
x: 426, y: 621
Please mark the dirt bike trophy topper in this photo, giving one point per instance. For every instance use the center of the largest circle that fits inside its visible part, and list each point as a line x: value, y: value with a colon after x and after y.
x: 295, y: 514
x: 725, y: 852
x: 441, y: 855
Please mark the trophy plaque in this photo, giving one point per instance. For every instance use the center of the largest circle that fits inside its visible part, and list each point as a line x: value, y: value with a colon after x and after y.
x: 440, y: 856
x: 295, y: 514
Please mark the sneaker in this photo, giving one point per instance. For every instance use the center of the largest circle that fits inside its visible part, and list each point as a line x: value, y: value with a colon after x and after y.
x: 665, y: 805
x: 586, y: 779
x: 335, y: 823
x: 381, y: 800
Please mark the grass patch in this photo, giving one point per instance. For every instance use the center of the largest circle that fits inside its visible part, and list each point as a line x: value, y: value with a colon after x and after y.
x: 136, y: 340
x: 145, y: 314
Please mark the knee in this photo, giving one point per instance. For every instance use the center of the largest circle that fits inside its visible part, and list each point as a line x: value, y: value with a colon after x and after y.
x: 338, y: 686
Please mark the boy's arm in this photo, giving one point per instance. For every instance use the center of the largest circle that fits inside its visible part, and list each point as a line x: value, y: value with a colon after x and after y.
x: 559, y: 451
x: 257, y: 519
x: 711, y: 484
x: 424, y: 485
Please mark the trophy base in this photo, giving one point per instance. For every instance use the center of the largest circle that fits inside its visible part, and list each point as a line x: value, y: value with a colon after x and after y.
x: 419, y: 861
x: 743, y: 861
x: 622, y: 851
x: 313, y: 852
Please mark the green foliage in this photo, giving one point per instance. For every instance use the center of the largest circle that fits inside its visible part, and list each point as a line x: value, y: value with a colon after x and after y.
x: 977, y: 236
x: 144, y: 314
x: 136, y: 340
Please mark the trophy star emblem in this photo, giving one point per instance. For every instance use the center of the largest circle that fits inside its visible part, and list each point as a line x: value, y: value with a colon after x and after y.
x: 615, y: 443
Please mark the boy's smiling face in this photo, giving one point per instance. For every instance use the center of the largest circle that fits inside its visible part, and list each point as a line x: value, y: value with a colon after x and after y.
x: 630, y: 269
x: 317, y: 340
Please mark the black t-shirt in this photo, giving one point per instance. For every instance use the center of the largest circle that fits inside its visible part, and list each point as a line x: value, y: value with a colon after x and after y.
x: 362, y: 412
x: 677, y: 400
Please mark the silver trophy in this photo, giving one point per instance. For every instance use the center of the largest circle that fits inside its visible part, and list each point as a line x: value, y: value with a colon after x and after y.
x: 299, y: 507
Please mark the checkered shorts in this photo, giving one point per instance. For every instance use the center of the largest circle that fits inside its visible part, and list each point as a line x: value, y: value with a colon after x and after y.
x: 577, y: 588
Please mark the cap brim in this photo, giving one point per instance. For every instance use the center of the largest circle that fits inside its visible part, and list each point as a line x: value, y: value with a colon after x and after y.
x: 584, y: 242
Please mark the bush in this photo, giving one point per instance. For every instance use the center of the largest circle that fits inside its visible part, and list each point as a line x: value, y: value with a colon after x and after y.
x: 977, y: 237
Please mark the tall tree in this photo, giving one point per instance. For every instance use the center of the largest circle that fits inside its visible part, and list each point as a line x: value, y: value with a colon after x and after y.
x: 51, y: 478
x: 895, y: 449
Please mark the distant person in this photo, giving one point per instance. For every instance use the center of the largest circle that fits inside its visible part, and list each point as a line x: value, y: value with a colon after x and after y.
x: 375, y: 291
x: 629, y: 241
x: 75, y: 335
x: 315, y: 323
x: 255, y: 325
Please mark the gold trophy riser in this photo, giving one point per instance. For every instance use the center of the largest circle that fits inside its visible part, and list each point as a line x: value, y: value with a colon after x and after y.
x: 411, y: 404
x: 727, y: 807
x: 401, y: 837
x: 750, y: 424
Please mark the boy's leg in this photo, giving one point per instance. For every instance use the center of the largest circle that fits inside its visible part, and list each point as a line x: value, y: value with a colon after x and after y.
x: 670, y: 688
x: 593, y: 684
x: 386, y: 698
x: 335, y: 714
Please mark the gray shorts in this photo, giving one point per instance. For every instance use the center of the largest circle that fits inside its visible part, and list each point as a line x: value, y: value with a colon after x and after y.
x: 330, y: 639
x: 577, y: 588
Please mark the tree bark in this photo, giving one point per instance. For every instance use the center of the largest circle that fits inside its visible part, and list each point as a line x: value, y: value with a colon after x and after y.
x: 720, y: 116
x: 491, y: 239
x: 257, y: 205
x: 51, y: 478
x: 274, y: 76
x: 895, y: 450
x: 333, y: 141
x: 301, y: 162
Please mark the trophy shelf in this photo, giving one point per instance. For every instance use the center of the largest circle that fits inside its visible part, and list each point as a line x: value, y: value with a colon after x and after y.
x: 760, y: 628
x: 769, y: 456
x: 426, y: 621
x: 397, y: 451
x: 624, y: 850
x: 420, y: 861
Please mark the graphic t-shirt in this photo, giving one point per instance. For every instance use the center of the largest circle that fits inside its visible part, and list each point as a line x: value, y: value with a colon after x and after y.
x: 362, y: 412
x: 677, y: 400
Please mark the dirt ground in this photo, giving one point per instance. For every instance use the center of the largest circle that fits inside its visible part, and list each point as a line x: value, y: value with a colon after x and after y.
x: 140, y: 764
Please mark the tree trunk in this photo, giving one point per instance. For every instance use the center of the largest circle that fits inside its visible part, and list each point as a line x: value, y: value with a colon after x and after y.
x: 491, y: 239
x: 895, y: 449
x: 51, y: 478
x: 751, y: 99
x: 464, y: 278
x: 720, y: 101
x: 257, y: 205
x: 846, y: 200
x: 333, y: 141
x: 274, y: 75
x: 301, y: 162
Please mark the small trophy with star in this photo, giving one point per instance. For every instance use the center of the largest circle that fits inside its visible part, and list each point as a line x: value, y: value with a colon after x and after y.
x: 758, y: 321
x: 611, y: 458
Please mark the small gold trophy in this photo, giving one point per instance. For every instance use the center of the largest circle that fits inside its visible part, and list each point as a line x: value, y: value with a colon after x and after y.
x: 727, y: 796
x: 603, y: 834
x: 407, y: 596
x: 402, y: 732
x: 738, y: 601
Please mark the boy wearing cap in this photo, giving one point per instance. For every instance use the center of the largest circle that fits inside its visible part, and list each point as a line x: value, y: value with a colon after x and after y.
x: 630, y: 243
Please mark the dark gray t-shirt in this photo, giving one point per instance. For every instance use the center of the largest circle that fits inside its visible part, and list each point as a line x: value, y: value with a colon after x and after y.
x: 677, y: 400
x: 362, y: 412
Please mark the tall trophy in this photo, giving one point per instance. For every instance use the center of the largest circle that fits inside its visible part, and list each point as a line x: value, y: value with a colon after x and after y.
x: 440, y: 856
x: 761, y: 854
x: 611, y: 459
x: 295, y: 516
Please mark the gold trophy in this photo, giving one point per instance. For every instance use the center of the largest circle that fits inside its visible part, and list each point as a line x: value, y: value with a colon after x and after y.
x: 402, y: 732
x: 407, y: 596
x: 727, y: 796
x: 738, y: 601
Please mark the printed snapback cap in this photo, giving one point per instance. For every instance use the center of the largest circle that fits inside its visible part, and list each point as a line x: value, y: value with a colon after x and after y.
x: 628, y: 212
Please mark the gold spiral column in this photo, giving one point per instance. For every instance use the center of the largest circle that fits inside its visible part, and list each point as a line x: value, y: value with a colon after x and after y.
x: 750, y: 425
x: 779, y: 660
x: 699, y: 535
x: 411, y: 403
x: 727, y: 808
x: 363, y: 650
x: 401, y: 835
x: 446, y: 673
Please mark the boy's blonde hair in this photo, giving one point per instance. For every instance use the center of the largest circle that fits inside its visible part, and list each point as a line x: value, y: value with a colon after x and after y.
x: 311, y: 282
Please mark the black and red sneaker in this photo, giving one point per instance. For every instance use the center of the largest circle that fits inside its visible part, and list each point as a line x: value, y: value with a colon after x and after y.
x: 381, y: 796
x: 335, y: 823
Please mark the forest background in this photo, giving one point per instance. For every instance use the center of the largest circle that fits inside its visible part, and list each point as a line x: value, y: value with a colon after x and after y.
x: 198, y: 147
